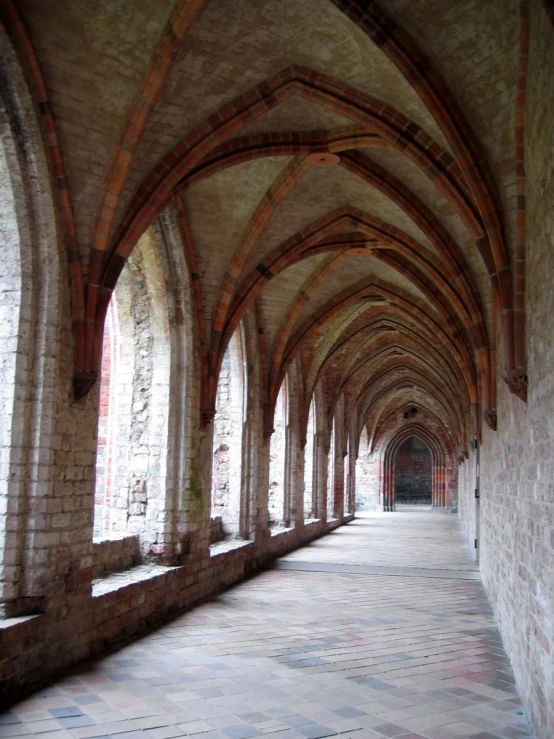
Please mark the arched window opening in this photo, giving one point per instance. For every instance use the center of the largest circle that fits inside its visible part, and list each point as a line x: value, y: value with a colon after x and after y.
x: 30, y: 346
x: 413, y: 473
x: 277, y: 461
x: 228, y: 441
x: 331, y: 475
x: 361, y: 464
x: 346, y: 497
x: 10, y: 300
x: 309, y: 472
x: 366, y: 493
x: 105, y: 511
x: 130, y: 491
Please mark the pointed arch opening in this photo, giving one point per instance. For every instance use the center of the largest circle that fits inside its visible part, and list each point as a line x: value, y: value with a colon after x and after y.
x: 331, y: 473
x: 104, y: 490
x: 31, y: 278
x: 132, y: 437
x: 443, y: 468
x: 309, y: 464
x: 413, y: 473
x: 277, y: 493
x: 346, y: 496
x: 228, y: 441
x: 367, y: 478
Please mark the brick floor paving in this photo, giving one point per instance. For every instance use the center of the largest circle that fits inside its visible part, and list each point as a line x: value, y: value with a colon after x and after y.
x: 295, y: 653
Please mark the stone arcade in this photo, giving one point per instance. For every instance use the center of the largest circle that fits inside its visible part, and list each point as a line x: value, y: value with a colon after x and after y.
x: 258, y: 256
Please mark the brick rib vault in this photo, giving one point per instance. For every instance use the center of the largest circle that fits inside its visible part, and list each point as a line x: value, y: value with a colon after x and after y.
x: 250, y: 250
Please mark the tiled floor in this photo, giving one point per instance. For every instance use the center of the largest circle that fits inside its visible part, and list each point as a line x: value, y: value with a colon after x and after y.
x: 305, y: 651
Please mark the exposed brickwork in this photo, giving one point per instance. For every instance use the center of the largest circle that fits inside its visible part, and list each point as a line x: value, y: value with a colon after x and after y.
x: 514, y: 521
x: 114, y: 555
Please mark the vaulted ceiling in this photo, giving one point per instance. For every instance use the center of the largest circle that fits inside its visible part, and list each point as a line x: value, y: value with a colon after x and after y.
x: 348, y: 169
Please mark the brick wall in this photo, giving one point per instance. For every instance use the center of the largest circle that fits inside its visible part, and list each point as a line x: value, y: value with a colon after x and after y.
x: 114, y: 555
x: 516, y: 521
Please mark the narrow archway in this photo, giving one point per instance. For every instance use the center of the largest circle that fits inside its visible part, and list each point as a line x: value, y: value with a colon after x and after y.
x: 331, y: 474
x: 367, y: 478
x: 346, y: 481
x: 309, y: 472
x: 278, y: 462
x: 105, y: 450
x: 413, y: 473
x: 132, y: 438
x: 443, y: 470
x: 228, y: 445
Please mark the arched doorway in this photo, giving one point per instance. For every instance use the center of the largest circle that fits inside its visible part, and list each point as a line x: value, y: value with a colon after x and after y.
x: 413, y: 473
x: 444, y: 476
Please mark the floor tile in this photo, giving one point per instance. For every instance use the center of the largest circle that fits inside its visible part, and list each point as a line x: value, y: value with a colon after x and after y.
x: 381, y: 629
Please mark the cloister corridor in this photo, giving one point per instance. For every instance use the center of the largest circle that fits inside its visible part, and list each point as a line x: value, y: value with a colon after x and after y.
x: 380, y: 629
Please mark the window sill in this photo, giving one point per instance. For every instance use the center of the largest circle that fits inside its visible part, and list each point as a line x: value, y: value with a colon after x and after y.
x: 278, y: 530
x: 14, y: 621
x: 222, y: 547
x: 119, y: 580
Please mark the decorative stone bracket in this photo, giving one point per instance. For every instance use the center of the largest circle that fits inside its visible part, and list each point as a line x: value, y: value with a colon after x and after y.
x: 207, y: 416
x: 489, y: 415
x: 516, y: 380
x: 83, y: 382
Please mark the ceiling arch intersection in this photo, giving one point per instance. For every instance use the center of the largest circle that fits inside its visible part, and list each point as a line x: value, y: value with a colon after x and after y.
x: 351, y: 269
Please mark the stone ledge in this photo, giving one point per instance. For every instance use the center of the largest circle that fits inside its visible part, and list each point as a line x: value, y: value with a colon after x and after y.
x: 119, y: 580
x: 279, y: 530
x: 16, y: 621
x: 222, y: 547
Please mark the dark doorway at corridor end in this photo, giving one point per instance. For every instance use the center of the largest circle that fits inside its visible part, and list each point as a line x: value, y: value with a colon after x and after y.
x: 413, y: 473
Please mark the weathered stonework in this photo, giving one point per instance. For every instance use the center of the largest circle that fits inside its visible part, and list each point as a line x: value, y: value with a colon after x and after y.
x: 114, y: 555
